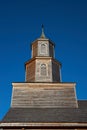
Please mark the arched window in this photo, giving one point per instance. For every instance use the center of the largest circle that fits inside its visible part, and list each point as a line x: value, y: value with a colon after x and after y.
x: 43, y: 69
x: 43, y: 48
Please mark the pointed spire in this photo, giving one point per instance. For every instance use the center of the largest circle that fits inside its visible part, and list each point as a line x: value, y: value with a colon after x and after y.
x: 42, y: 34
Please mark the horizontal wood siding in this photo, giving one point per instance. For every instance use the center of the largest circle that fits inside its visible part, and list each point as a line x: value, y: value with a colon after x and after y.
x: 45, y: 97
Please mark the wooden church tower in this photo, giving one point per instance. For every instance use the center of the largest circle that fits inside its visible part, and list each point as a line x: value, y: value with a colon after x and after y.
x: 43, y: 101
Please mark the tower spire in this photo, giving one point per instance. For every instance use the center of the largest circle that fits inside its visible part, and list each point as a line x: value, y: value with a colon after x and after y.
x: 42, y: 34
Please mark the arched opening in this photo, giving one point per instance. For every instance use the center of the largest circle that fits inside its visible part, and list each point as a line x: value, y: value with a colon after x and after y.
x: 43, y: 48
x: 43, y: 70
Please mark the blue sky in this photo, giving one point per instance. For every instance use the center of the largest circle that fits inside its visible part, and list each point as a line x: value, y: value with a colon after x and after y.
x: 65, y: 23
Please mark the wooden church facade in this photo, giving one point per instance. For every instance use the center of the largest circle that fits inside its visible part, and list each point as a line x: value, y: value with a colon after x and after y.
x: 43, y: 101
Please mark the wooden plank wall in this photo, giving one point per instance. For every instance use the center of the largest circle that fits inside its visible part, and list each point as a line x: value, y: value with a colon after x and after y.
x: 45, y: 97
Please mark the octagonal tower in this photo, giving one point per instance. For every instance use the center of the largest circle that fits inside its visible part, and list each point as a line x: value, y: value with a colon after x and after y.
x: 43, y: 67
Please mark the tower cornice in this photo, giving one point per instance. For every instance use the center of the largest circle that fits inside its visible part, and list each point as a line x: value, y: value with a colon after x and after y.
x: 44, y: 57
x: 37, y: 84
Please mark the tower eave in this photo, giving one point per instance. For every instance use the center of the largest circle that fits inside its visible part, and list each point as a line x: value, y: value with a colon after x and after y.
x: 45, y: 84
x: 41, y: 39
x: 43, y: 57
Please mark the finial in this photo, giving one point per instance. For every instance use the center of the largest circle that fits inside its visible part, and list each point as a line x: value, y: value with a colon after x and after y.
x: 42, y: 34
x: 42, y: 26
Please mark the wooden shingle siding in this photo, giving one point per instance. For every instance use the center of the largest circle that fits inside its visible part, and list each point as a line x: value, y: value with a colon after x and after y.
x: 48, y: 76
x: 55, y: 71
x: 30, y: 72
x: 35, y: 49
x: 33, y: 70
x: 43, y: 51
x: 44, y: 96
x: 51, y: 50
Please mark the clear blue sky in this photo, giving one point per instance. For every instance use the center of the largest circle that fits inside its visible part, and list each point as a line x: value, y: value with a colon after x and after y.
x: 65, y: 23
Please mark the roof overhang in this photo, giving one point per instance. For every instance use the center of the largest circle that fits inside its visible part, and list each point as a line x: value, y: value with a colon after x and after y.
x: 42, y: 57
x: 43, y: 125
x: 61, y: 84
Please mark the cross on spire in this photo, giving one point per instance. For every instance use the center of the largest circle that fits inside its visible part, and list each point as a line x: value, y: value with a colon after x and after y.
x: 42, y: 34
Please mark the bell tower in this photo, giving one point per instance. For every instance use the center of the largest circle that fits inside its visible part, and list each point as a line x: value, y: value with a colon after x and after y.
x: 43, y: 67
x: 43, y: 87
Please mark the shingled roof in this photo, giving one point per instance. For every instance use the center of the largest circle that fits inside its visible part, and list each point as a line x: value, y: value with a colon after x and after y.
x: 47, y: 114
x: 82, y: 104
